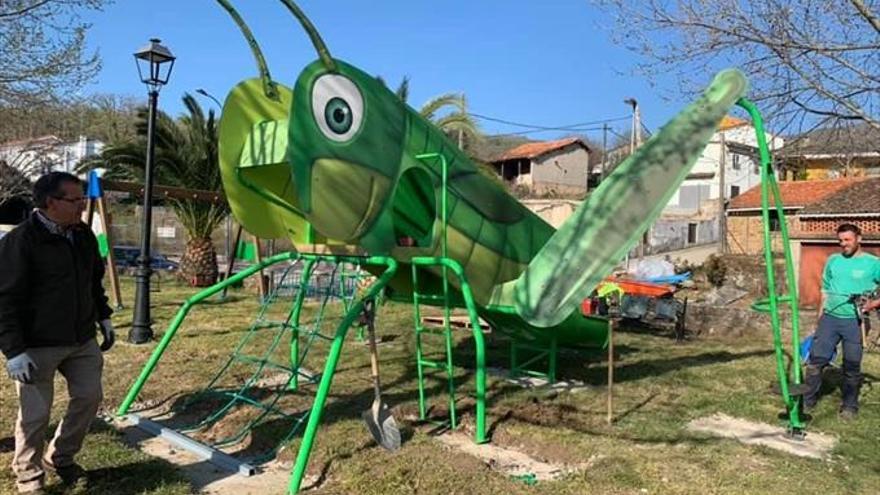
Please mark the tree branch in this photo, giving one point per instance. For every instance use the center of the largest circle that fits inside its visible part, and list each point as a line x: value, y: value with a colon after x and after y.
x: 866, y: 13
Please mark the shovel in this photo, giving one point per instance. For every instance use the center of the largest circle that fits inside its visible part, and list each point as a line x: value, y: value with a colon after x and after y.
x: 378, y: 417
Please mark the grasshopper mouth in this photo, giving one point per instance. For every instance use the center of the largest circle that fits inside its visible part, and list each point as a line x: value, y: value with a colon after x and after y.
x: 346, y: 198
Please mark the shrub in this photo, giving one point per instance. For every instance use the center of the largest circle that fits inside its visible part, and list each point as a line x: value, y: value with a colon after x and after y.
x: 716, y: 270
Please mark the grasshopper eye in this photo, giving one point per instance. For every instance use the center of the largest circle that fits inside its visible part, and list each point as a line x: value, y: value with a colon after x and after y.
x: 337, y: 106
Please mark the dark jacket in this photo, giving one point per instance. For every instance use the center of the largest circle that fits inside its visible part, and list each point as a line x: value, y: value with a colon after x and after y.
x: 50, y: 287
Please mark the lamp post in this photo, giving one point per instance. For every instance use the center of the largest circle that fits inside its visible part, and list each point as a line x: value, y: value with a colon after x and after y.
x: 154, y: 63
x: 204, y: 93
x: 635, y: 136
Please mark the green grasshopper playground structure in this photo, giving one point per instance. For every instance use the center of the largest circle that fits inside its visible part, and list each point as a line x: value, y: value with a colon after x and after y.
x: 352, y: 175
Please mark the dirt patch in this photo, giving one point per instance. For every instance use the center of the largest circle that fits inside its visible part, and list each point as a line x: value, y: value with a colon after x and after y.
x: 539, y: 413
x: 510, y: 462
x: 815, y: 445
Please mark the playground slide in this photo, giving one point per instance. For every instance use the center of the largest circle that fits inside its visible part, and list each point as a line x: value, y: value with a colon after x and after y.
x: 606, y: 226
x: 362, y: 167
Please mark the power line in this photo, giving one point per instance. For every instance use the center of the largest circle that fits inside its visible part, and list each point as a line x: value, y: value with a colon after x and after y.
x: 548, y: 128
x: 534, y: 131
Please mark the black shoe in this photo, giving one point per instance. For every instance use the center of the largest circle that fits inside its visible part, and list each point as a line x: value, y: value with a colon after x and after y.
x: 70, y: 475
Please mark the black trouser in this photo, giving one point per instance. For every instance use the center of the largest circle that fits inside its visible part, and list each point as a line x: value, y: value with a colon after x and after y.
x: 831, y: 331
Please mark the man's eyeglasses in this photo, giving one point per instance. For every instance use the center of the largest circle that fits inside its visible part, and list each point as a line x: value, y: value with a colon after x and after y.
x: 80, y: 199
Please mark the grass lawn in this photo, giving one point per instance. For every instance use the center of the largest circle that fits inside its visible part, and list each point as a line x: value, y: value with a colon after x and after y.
x: 661, y: 387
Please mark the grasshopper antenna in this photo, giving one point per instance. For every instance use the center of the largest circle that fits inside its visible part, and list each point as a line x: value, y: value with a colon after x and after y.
x: 323, y: 52
x: 269, y: 88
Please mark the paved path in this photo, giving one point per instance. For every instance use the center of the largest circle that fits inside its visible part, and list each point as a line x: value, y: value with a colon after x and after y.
x: 694, y: 255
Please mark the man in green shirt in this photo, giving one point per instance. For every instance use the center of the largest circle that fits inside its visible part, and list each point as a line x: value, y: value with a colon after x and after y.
x: 847, y: 274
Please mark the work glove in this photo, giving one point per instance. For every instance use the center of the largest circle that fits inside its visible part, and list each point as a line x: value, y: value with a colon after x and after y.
x: 109, y: 334
x: 20, y: 367
x: 869, y: 306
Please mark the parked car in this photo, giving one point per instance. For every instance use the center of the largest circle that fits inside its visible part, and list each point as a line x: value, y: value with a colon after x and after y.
x: 126, y: 257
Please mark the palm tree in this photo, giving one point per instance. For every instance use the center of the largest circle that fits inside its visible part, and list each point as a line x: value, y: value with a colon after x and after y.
x: 185, y: 156
x: 457, y: 123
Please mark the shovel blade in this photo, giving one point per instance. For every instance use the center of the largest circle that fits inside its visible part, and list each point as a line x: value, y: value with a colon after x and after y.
x: 382, y: 425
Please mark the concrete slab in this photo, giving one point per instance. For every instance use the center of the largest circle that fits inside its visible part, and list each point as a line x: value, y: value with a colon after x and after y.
x: 205, y: 477
x: 507, y: 461
x: 815, y: 445
x: 573, y: 386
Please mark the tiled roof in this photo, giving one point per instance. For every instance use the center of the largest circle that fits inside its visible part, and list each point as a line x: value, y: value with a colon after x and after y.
x: 536, y: 149
x: 795, y: 194
x: 729, y: 122
x: 861, y: 197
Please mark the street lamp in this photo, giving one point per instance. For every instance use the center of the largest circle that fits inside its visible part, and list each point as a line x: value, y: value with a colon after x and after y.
x: 154, y: 63
x: 204, y: 93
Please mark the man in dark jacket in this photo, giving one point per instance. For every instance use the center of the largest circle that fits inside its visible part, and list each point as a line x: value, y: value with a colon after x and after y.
x: 51, y: 298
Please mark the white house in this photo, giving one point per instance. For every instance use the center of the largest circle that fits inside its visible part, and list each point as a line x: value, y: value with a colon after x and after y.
x: 37, y: 156
x: 691, y: 216
x: 741, y: 172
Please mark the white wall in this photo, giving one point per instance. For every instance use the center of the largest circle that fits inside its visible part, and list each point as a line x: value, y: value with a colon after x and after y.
x: 710, y: 162
x: 35, y: 160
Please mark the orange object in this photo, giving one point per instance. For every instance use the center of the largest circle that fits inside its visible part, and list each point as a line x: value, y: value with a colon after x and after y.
x: 634, y: 288
x: 587, y: 307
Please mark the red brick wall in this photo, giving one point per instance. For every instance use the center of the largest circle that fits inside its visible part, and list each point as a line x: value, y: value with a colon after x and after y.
x: 829, y: 225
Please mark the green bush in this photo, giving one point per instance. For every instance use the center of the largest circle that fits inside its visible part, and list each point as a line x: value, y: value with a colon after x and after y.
x: 716, y: 270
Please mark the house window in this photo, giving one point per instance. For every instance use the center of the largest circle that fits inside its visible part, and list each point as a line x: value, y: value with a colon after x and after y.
x: 774, y: 222
x: 692, y: 233
x: 734, y: 191
x: 736, y: 162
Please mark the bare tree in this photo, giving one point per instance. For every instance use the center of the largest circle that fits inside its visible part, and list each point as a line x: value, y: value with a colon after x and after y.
x: 810, y: 63
x: 43, y: 49
x: 103, y: 117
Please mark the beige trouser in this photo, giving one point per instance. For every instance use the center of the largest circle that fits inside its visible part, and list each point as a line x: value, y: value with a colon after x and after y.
x: 81, y: 366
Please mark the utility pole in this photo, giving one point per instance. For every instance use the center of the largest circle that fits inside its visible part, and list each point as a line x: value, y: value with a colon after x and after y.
x: 635, y: 140
x: 722, y: 224
x: 637, y: 124
x: 604, y: 152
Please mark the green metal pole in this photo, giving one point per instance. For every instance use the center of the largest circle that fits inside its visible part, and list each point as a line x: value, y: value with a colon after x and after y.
x: 768, y: 186
x: 479, y: 342
x: 181, y: 315
x: 417, y: 322
x: 306, y: 274
x: 443, y: 194
x: 308, y: 440
x: 793, y: 298
x: 444, y: 252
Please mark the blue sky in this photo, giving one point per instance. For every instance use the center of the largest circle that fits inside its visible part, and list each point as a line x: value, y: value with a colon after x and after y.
x: 547, y: 63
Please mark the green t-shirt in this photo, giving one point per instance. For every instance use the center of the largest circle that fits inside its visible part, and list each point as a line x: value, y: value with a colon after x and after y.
x: 844, y: 277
